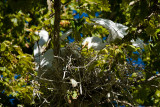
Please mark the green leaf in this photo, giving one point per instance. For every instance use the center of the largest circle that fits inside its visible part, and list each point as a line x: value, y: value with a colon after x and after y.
x: 158, y: 93
x: 74, y: 95
x: 15, y: 21
x: 156, y: 100
x: 28, y: 19
x: 134, y: 75
x: 21, y: 56
x: 2, y: 68
x: 18, y: 49
x: 14, y: 94
x: 35, y: 37
x: 131, y: 48
x: 3, y: 46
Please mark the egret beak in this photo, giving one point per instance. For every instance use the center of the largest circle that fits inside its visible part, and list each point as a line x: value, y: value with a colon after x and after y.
x: 86, y: 44
x: 28, y: 29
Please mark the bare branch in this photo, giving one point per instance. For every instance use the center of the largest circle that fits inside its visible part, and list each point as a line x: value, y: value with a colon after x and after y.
x: 124, y: 102
x: 87, y: 64
x: 153, y: 77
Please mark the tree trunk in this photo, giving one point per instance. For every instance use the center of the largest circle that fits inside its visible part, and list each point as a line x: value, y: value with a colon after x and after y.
x: 56, y: 42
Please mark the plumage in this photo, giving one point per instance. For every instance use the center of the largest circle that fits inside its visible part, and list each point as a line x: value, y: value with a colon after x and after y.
x: 44, y: 37
x: 116, y: 30
x: 94, y: 42
x: 67, y: 33
x: 44, y: 60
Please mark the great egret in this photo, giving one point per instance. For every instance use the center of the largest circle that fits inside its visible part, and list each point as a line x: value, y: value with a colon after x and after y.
x: 94, y: 42
x: 116, y: 30
x: 44, y: 60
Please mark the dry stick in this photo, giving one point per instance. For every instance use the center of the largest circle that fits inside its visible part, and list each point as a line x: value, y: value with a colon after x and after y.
x: 49, y: 3
x: 59, y: 58
x: 49, y: 80
x: 149, y: 79
x: 124, y: 102
x: 45, y: 100
x: 87, y: 64
x: 80, y: 85
x: 153, y: 77
x: 67, y: 66
x: 42, y: 78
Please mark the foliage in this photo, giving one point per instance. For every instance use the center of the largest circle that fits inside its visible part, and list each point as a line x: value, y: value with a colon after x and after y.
x: 107, y: 77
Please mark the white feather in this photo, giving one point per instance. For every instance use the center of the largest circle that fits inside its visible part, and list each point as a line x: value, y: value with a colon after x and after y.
x: 94, y: 42
x: 64, y: 36
x: 116, y: 30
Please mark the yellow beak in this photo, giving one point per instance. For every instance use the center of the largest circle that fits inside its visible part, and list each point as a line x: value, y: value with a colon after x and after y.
x: 86, y: 44
x: 28, y: 29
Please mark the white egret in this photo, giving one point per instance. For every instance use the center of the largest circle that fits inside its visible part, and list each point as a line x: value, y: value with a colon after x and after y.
x: 44, y: 60
x: 116, y: 30
x: 94, y: 42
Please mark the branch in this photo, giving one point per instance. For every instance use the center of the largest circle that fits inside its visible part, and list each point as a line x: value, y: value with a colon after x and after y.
x: 124, y: 102
x: 87, y: 64
x: 42, y: 78
x: 153, y: 77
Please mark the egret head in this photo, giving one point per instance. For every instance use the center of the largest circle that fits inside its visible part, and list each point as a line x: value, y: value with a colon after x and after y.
x: 44, y: 36
x: 87, y: 42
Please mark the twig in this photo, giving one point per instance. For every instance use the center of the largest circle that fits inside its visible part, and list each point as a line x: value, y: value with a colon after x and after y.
x: 64, y: 74
x: 59, y: 58
x: 80, y: 86
x: 87, y: 64
x: 124, y: 102
x: 153, y: 77
x: 45, y: 100
x: 42, y: 78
